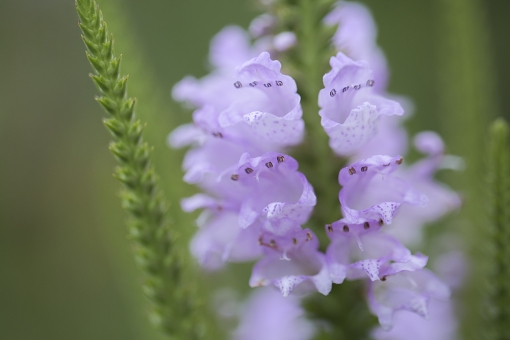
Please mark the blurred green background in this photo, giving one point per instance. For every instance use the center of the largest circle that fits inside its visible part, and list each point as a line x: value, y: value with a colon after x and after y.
x: 66, y: 271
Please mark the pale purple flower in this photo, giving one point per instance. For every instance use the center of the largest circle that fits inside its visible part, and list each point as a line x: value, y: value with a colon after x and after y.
x: 269, y: 316
x: 360, y: 250
x: 356, y: 37
x: 266, y: 103
x: 405, y: 291
x: 271, y: 188
x: 292, y: 262
x: 350, y: 107
x: 261, y: 113
x: 372, y: 192
x: 261, y: 25
x: 258, y: 196
x: 284, y: 40
x: 408, y: 224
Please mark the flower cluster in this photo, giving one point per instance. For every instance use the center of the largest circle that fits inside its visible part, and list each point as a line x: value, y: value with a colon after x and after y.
x: 248, y: 115
x: 256, y: 199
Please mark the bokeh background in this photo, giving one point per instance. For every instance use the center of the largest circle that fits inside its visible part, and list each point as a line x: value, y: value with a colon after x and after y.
x: 66, y: 270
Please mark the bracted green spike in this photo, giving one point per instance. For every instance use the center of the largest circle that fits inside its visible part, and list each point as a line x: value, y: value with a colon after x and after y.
x: 496, y: 313
x: 168, y: 284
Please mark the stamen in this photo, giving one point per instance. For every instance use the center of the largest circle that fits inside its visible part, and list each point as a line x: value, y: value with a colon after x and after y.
x: 366, y: 225
x: 399, y: 161
x: 358, y: 241
x: 257, y: 175
x: 253, y: 84
x: 381, y: 222
x: 260, y: 241
x: 268, y: 85
x: 345, y: 89
x: 248, y: 170
x: 280, y: 159
x: 279, y: 83
x: 383, y: 278
x: 329, y: 227
x: 217, y: 134
x: 308, y: 236
x: 269, y: 165
x: 352, y: 171
x: 332, y: 93
x: 370, y: 82
x: 294, y: 241
x: 272, y: 244
x: 234, y: 177
x: 284, y: 256
x: 345, y: 229
x: 238, y: 85
x: 364, y: 168
x: 357, y: 87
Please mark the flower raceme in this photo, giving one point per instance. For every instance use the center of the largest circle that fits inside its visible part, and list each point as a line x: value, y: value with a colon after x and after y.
x: 247, y: 118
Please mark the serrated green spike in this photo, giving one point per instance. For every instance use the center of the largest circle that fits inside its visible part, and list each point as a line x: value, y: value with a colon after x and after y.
x: 97, y: 64
x: 121, y: 86
x: 497, y: 234
x: 155, y: 248
x: 101, y: 83
x: 115, y: 127
x: 109, y: 105
x: 114, y: 70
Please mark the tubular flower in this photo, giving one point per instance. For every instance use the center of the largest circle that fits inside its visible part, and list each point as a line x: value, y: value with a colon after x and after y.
x: 372, y: 192
x: 350, y: 107
x: 410, y: 291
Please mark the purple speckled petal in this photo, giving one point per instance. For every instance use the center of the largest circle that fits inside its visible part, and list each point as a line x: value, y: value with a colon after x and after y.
x: 292, y: 262
x: 372, y: 192
x: 269, y: 316
x: 407, y: 290
x: 359, y: 127
x: 350, y: 108
x: 389, y: 139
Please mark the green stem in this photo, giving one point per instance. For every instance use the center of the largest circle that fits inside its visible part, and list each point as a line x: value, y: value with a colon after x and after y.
x: 168, y: 284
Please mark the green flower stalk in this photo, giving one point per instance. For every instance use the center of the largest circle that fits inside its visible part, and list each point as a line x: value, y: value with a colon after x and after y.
x: 168, y: 283
x: 497, y: 257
